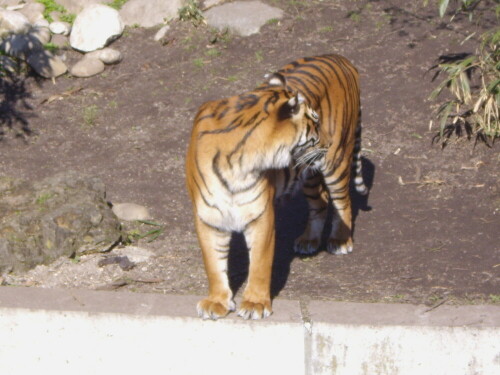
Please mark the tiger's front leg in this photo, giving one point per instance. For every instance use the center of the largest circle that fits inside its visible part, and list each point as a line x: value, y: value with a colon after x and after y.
x: 215, y: 248
x: 260, y: 239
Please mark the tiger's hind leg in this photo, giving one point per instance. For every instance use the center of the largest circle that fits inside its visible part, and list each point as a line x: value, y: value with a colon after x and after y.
x: 317, y: 197
x: 215, y: 248
x: 337, y: 181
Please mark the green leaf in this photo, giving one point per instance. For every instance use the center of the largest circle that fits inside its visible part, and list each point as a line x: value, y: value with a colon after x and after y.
x: 443, y: 4
x: 444, y: 113
x: 492, y: 86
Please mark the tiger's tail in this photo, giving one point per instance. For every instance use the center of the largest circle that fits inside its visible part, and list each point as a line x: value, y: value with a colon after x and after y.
x: 359, y: 183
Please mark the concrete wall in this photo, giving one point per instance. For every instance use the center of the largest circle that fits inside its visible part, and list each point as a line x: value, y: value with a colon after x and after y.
x: 85, y: 332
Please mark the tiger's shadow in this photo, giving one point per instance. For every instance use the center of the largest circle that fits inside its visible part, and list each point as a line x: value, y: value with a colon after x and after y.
x: 290, y: 223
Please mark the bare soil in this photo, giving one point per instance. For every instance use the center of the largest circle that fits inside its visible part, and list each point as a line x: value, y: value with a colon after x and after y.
x: 428, y: 231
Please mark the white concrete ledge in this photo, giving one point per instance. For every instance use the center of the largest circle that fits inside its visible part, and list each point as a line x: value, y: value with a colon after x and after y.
x: 87, y: 332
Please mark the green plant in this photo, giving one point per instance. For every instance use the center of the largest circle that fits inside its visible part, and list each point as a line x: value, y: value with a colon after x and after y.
x: 52, y: 6
x: 151, y: 235
x: 326, y: 29
x: 213, y: 52
x: 116, y: 4
x: 258, y: 56
x: 90, y: 114
x: 199, y: 62
x: 50, y: 47
x: 473, y: 80
x: 191, y: 12
x: 43, y: 198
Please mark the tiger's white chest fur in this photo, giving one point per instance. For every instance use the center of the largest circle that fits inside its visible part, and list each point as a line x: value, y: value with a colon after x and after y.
x: 230, y: 211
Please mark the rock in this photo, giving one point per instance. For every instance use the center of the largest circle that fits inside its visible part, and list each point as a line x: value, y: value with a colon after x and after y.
x: 106, y: 55
x: 59, y: 27
x: 161, y: 33
x: 9, y: 3
x: 42, y: 34
x: 95, y: 27
x: 205, y: 4
x: 8, y: 64
x: 20, y: 45
x: 76, y: 6
x: 131, y: 212
x: 134, y: 253
x: 60, y: 41
x: 12, y: 21
x: 150, y: 13
x: 46, y: 64
x: 41, y: 23
x: 64, y: 215
x: 244, y: 18
x: 33, y: 11
x: 87, y: 67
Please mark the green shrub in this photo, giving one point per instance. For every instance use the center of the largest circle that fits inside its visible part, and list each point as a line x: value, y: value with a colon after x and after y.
x: 474, y: 83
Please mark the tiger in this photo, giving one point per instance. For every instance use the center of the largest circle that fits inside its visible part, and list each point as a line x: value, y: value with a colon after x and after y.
x: 330, y: 84
x: 238, y: 148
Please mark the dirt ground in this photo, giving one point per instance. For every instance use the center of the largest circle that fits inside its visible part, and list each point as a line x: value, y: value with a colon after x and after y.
x: 428, y: 231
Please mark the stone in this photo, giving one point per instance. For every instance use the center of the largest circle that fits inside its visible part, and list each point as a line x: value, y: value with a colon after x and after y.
x: 60, y: 27
x: 33, y: 11
x: 106, y: 55
x: 41, y: 33
x: 46, y: 64
x: 41, y: 23
x: 20, y: 45
x: 8, y: 64
x: 134, y: 253
x: 12, y: 21
x: 242, y: 17
x: 95, y: 27
x: 63, y: 215
x: 150, y: 13
x: 9, y: 3
x: 161, y: 33
x: 60, y: 41
x: 87, y: 67
x: 130, y: 212
x: 76, y: 6
x: 205, y: 4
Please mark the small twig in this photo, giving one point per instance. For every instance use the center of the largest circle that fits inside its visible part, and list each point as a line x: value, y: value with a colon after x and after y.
x: 436, y: 305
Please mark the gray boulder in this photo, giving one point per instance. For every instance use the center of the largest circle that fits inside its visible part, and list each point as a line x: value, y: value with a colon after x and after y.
x: 64, y: 215
x: 150, y: 13
x: 242, y: 17
x: 13, y: 22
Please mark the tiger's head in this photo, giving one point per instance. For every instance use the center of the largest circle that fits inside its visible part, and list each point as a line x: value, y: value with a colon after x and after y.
x: 295, y: 127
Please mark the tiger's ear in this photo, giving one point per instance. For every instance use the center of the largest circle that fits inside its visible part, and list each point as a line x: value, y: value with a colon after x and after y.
x: 291, y: 107
x: 275, y: 79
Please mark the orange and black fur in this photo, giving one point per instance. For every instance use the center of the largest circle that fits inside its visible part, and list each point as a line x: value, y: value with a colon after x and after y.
x: 237, y: 146
x: 331, y: 86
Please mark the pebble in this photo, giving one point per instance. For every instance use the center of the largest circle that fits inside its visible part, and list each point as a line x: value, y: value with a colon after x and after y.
x: 46, y: 64
x: 161, y: 33
x: 87, y: 67
x: 130, y: 211
x: 59, y: 27
x: 41, y: 33
x: 106, y: 55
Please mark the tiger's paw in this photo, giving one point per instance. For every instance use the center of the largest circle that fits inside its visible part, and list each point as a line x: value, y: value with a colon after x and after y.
x: 339, y: 247
x: 210, y: 309
x: 304, y: 246
x: 255, y: 310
